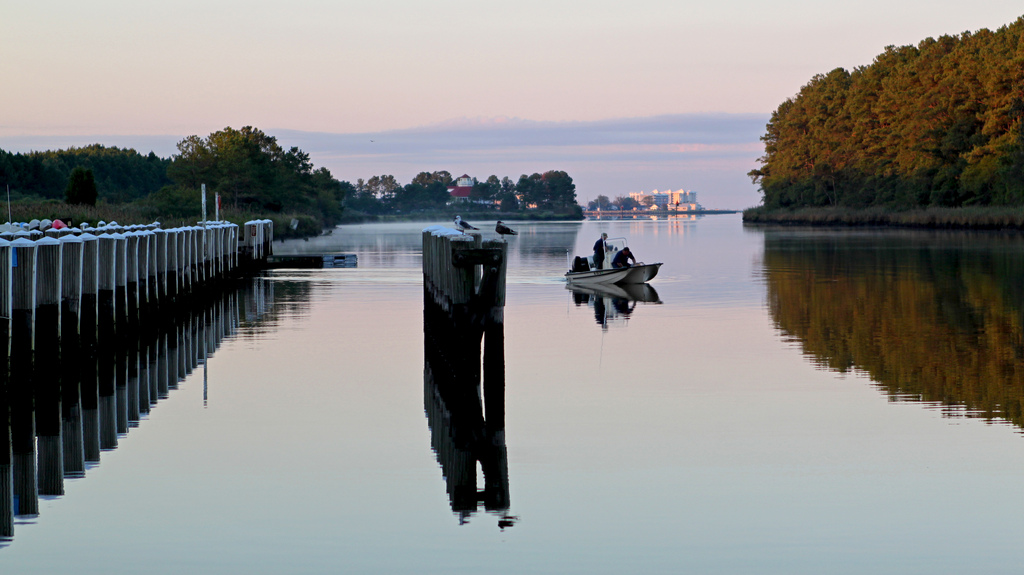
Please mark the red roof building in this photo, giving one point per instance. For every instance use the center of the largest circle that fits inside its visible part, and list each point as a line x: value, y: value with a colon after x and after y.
x: 460, y: 191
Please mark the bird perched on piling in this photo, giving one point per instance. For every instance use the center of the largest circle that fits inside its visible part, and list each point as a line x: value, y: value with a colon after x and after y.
x: 504, y: 230
x: 463, y: 226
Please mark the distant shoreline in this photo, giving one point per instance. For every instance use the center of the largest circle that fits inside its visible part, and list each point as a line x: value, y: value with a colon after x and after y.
x: 612, y: 214
x: 977, y: 218
x: 468, y: 215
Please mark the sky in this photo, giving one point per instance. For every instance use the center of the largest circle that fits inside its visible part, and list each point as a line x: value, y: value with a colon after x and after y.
x: 471, y: 87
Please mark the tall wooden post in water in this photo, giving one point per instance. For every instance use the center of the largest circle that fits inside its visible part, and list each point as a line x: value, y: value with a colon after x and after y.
x: 72, y: 257
x: 21, y: 386
x: 88, y: 334
x: 6, y: 455
x: 47, y: 367
x: 463, y: 304
x: 106, y: 353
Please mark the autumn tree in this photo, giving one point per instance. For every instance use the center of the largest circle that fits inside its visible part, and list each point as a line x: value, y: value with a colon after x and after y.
x: 939, y: 123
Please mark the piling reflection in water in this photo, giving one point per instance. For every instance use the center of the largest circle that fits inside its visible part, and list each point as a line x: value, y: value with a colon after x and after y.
x: 612, y: 304
x: 463, y: 307
x: 929, y: 317
x: 58, y: 414
x: 467, y: 427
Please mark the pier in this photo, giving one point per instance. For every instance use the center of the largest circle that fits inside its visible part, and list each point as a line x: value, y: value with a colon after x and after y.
x: 56, y: 426
x: 93, y: 319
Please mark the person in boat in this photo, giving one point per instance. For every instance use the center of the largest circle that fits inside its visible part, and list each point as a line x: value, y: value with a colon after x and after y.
x: 619, y: 261
x: 599, y: 249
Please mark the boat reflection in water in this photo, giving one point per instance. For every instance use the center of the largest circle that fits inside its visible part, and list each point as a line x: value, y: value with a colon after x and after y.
x: 612, y: 304
x: 55, y: 425
x: 935, y: 318
x: 467, y: 426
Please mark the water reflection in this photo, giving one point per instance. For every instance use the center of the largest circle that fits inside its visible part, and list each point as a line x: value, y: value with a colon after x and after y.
x: 467, y: 427
x: 399, y: 245
x: 613, y: 304
x: 54, y: 424
x: 930, y: 317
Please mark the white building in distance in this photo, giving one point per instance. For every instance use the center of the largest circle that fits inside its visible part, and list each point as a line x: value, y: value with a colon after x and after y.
x: 679, y: 200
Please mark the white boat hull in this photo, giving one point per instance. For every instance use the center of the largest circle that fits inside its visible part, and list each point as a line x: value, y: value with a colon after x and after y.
x: 637, y: 274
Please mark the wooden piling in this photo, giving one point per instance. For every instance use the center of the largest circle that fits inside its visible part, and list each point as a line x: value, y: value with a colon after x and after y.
x: 72, y: 258
x: 89, y: 333
x: 21, y: 386
x: 6, y: 454
x: 6, y: 469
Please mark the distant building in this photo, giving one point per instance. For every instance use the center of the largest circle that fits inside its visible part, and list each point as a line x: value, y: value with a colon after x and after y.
x: 680, y: 200
x: 460, y: 191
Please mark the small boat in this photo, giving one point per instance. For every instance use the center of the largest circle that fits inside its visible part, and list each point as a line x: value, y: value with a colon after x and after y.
x: 583, y: 271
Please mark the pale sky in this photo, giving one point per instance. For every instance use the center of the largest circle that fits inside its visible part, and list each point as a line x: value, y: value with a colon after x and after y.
x: 116, y: 71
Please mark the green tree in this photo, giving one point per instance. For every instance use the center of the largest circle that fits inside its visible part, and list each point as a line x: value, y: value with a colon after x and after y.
x: 251, y: 170
x: 426, y: 178
x: 530, y: 190
x: 600, y: 203
x: 626, y: 203
x: 487, y: 190
x: 81, y: 188
x: 559, y: 190
x: 382, y: 187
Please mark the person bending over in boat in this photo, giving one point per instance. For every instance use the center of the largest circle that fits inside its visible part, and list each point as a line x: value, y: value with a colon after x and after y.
x: 599, y: 249
x: 619, y: 261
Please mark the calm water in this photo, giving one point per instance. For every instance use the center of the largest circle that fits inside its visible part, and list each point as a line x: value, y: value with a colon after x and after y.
x: 782, y: 401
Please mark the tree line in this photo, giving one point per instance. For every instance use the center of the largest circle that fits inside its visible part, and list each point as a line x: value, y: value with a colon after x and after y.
x: 552, y: 191
x: 937, y: 124
x: 121, y: 175
x: 623, y: 203
x: 248, y: 168
x: 253, y: 173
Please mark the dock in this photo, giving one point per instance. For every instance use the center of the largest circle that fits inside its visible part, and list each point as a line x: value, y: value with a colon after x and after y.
x: 86, y: 314
x: 313, y: 261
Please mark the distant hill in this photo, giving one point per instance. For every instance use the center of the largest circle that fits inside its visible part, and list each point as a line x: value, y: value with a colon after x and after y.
x: 937, y: 124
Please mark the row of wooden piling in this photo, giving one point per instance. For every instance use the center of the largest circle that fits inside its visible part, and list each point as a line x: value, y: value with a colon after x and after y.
x: 122, y: 268
x: 85, y: 313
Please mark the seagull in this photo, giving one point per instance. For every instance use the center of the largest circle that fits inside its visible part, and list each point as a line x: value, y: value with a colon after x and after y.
x: 504, y: 230
x: 463, y: 226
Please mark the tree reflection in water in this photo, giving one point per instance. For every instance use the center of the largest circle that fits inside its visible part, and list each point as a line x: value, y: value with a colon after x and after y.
x: 930, y: 317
